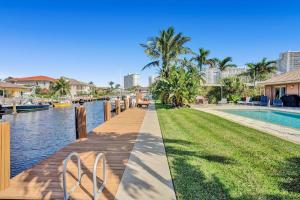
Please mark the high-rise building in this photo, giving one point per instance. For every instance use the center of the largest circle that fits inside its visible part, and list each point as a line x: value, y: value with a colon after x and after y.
x: 213, y: 75
x: 131, y: 80
x: 288, y: 61
x: 151, y: 80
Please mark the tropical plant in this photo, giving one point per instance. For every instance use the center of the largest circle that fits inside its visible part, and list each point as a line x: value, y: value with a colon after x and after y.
x: 202, y: 59
x: 222, y: 65
x: 261, y: 70
x: 180, y: 88
x: 111, y: 84
x: 165, y: 49
x: 60, y: 87
x: 233, y: 88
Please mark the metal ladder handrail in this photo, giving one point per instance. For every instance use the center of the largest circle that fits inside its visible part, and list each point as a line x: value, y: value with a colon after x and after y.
x: 66, y: 194
x: 97, y: 191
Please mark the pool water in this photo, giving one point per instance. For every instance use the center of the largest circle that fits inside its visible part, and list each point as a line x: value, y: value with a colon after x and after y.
x: 288, y: 119
x: 37, y: 135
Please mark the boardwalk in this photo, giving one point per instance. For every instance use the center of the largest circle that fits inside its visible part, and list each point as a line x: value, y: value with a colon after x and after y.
x: 115, y: 137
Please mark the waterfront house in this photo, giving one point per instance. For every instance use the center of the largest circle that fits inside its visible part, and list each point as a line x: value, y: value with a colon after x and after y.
x: 8, y: 90
x: 283, y: 84
x: 34, y: 81
x: 79, y: 88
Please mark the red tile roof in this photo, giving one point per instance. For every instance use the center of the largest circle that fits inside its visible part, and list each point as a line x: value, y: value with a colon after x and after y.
x: 33, y: 78
x: 11, y: 85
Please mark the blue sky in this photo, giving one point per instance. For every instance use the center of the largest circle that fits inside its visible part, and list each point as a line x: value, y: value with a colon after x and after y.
x: 99, y: 40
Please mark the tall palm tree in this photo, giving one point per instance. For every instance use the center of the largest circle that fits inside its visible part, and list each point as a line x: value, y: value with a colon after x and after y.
x: 202, y: 59
x: 111, y: 84
x: 61, y: 87
x: 165, y: 49
x: 222, y: 65
x: 261, y: 70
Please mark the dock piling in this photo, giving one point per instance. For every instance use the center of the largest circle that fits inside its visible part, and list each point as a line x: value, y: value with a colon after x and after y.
x: 14, y: 108
x: 107, y: 110
x: 80, y: 122
x: 117, y: 106
x: 130, y: 102
x: 126, y: 102
x: 4, y: 155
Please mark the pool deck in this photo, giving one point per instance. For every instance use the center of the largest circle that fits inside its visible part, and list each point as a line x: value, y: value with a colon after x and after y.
x: 286, y: 133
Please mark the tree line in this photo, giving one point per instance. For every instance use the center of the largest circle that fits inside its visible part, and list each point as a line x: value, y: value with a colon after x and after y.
x: 181, y: 71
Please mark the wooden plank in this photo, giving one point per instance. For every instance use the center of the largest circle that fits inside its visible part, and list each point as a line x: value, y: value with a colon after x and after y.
x: 4, y: 155
x: 115, y: 138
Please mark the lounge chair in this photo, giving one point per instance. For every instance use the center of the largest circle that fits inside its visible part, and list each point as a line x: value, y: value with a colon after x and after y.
x: 264, y: 101
x: 247, y: 101
x: 277, y: 102
x: 223, y: 101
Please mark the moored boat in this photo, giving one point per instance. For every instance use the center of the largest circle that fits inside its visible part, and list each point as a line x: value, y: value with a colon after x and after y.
x: 62, y: 104
x: 34, y: 107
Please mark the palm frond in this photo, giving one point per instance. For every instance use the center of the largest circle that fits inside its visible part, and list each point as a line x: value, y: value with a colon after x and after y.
x: 151, y: 64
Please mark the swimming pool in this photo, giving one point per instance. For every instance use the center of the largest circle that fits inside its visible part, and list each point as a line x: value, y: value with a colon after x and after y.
x: 288, y: 119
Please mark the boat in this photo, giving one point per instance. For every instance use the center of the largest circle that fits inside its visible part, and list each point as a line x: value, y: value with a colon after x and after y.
x: 34, y: 107
x: 24, y: 108
x: 62, y: 104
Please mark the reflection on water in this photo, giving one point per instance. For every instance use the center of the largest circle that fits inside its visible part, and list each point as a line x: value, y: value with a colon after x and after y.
x: 36, y: 135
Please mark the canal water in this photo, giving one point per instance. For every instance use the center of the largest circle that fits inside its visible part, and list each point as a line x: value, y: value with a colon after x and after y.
x: 37, y: 135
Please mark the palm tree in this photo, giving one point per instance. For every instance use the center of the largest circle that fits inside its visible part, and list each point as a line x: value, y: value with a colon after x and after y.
x: 165, y: 49
x: 222, y: 65
x: 261, y: 70
x: 191, y: 67
x: 61, y: 87
x: 202, y: 59
x: 111, y: 84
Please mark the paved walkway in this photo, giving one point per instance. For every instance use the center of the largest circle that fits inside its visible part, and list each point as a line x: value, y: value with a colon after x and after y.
x: 286, y: 133
x: 147, y: 174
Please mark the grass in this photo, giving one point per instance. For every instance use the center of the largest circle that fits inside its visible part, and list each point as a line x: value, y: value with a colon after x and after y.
x: 213, y: 158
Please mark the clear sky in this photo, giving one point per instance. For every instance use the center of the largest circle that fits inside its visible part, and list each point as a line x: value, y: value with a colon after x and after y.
x: 99, y: 40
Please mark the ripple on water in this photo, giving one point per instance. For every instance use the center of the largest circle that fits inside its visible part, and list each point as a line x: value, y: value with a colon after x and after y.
x: 37, y: 135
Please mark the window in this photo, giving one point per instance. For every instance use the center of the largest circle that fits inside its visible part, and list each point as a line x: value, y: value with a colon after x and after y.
x: 279, y: 92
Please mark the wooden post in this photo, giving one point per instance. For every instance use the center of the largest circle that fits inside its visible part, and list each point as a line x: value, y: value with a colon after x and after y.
x: 14, y: 108
x: 80, y: 122
x: 107, y: 110
x: 130, y: 102
x: 126, y: 103
x: 4, y: 155
x: 117, y: 107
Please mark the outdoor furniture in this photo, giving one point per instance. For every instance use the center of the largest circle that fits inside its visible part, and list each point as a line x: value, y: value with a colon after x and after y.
x: 277, y: 102
x: 290, y: 100
x: 201, y: 100
x: 247, y: 101
x: 264, y: 101
x: 223, y: 101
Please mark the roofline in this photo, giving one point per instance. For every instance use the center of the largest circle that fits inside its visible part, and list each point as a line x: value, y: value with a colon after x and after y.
x: 279, y: 82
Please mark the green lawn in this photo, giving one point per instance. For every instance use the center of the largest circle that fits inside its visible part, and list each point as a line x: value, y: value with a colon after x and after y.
x: 213, y: 158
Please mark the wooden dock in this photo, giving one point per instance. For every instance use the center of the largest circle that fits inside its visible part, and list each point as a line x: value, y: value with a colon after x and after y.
x: 115, y: 138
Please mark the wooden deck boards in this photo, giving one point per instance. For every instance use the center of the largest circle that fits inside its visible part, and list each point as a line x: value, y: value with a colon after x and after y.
x: 115, y: 138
